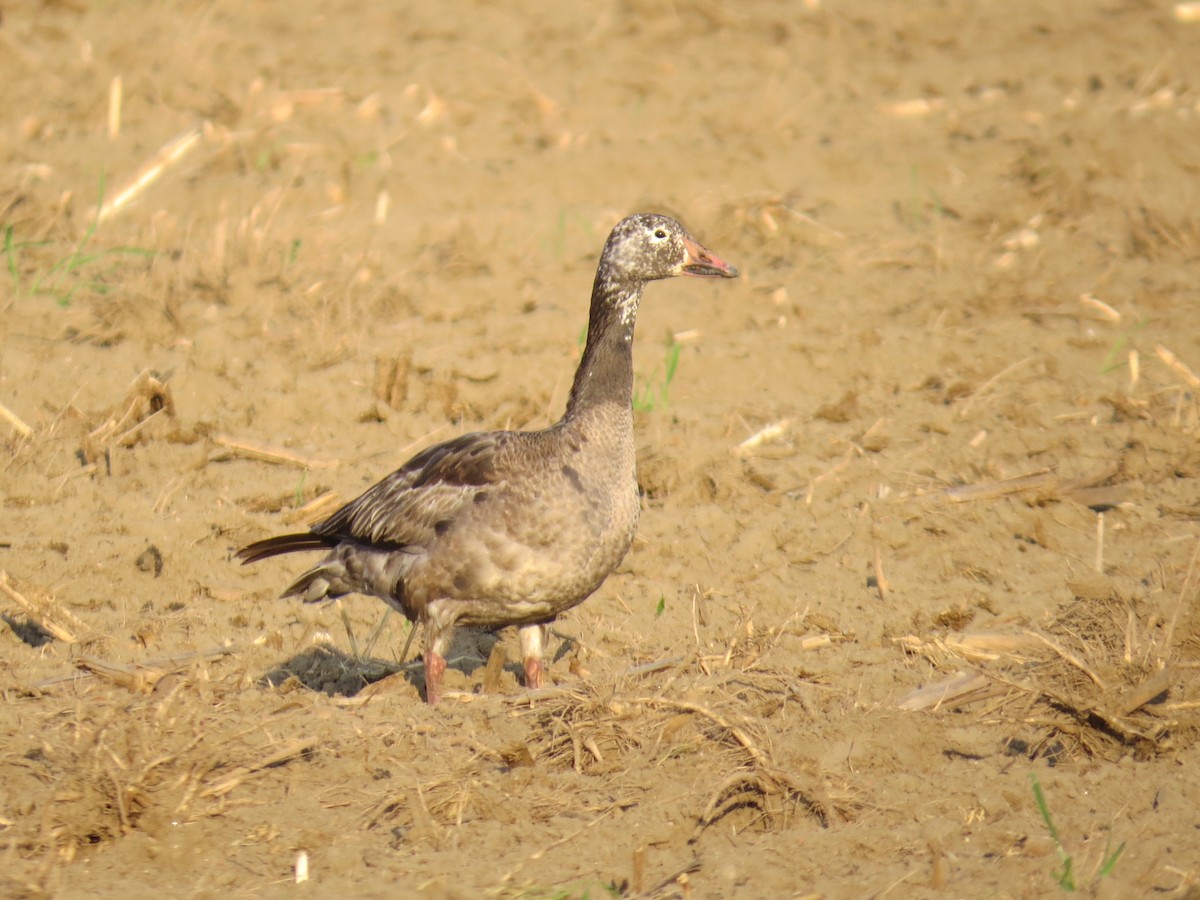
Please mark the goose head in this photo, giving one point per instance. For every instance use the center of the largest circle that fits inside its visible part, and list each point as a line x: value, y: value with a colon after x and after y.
x: 647, y: 247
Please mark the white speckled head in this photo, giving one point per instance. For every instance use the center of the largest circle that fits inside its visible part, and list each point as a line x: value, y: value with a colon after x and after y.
x: 646, y: 247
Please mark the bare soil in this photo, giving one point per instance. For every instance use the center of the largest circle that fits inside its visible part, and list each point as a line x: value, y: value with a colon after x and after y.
x: 922, y: 497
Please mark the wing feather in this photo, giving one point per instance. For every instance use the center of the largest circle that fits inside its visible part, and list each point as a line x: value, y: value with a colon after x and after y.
x: 407, y: 507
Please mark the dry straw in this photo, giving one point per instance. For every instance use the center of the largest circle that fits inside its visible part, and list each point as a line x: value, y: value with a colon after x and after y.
x: 15, y: 421
x: 47, y: 614
x: 240, y: 447
x: 1102, y: 679
x: 153, y: 169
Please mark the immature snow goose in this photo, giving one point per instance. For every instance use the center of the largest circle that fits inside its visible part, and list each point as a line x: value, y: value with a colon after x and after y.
x: 511, y: 527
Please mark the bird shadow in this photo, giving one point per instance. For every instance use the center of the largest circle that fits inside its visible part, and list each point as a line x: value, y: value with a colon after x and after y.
x: 326, y: 669
x: 334, y: 672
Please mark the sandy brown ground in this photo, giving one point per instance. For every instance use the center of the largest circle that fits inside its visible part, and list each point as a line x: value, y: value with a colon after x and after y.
x: 971, y: 298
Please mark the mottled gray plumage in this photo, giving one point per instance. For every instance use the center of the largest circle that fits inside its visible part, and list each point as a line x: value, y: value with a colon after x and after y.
x: 511, y: 527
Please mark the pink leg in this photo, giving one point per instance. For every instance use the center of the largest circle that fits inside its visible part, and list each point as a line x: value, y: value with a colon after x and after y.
x: 435, y: 667
x: 533, y: 637
x: 533, y: 672
x: 438, y: 634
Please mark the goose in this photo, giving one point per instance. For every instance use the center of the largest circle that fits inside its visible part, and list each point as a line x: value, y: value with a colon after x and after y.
x: 501, y: 528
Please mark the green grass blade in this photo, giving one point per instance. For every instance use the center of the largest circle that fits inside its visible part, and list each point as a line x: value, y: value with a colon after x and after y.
x: 10, y: 254
x: 36, y: 287
x: 80, y: 262
x: 671, y: 364
x: 72, y: 264
x: 1040, y: 798
x: 1110, y: 861
x: 643, y: 399
x: 72, y: 261
x: 1066, y: 876
x: 672, y: 360
x: 1110, y: 359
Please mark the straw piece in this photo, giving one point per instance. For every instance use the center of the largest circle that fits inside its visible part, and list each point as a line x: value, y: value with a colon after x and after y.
x: 1183, y: 598
x: 953, y: 690
x: 1153, y: 686
x: 735, y: 731
x: 15, y: 421
x: 816, y: 641
x: 138, y: 678
x: 767, y: 433
x: 992, y: 489
x: 54, y: 621
x: 1177, y: 365
x: 917, y: 108
x: 243, y: 773
x: 881, y: 582
x: 977, y: 647
x: 114, y: 108
x: 1101, y: 307
x: 170, y: 153
x: 1014, y: 645
x: 1047, y: 481
x: 1071, y: 658
x: 991, y: 383
x: 268, y: 454
x: 167, y: 664
x: 494, y: 669
x: 1187, y: 12
x: 1124, y: 730
x: 146, y: 398
x: 314, y: 510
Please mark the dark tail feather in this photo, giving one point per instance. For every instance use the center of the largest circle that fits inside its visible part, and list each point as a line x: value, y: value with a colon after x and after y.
x: 284, y: 543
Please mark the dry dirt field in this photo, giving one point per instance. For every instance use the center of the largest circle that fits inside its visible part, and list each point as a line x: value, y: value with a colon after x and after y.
x: 921, y: 489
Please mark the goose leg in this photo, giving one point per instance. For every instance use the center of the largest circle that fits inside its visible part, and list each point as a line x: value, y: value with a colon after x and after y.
x: 438, y: 635
x: 378, y: 630
x: 533, y: 642
x: 349, y: 629
x: 435, y: 667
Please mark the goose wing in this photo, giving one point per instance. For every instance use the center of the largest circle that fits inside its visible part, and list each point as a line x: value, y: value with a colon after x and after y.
x: 418, y: 501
